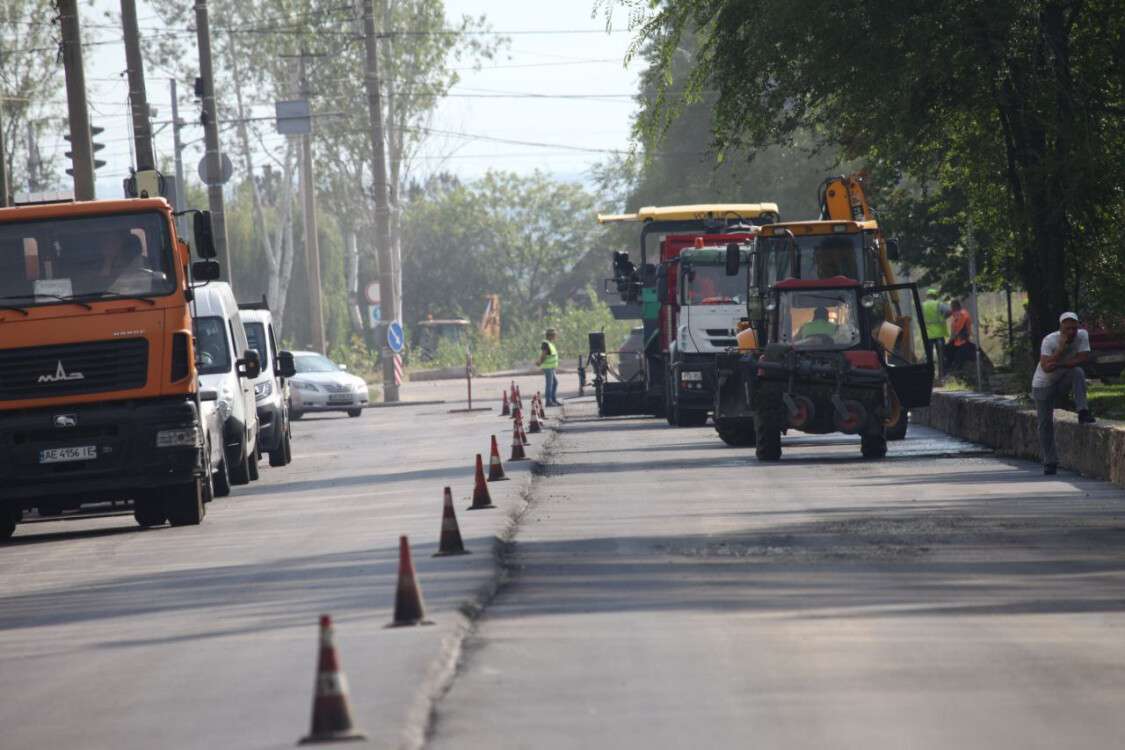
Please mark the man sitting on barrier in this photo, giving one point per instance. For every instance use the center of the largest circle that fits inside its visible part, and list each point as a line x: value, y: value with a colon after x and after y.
x: 1059, y: 371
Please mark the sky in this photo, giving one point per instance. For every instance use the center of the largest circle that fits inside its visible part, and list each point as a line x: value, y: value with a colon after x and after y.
x: 580, y: 109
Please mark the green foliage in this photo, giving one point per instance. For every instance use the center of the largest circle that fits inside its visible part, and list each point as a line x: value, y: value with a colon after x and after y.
x: 504, y: 234
x: 1000, y: 123
x: 520, y: 344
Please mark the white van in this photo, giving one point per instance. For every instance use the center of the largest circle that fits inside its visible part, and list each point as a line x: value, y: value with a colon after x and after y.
x: 271, y: 387
x: 228, y: 365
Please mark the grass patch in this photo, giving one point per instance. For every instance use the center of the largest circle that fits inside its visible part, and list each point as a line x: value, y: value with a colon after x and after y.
x: 1107, y: 401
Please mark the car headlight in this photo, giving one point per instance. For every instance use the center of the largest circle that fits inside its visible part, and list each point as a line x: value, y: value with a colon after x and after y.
x: 693, y: 375
x: 301, y: 385
x: 186, y: 437
x: 359, y: 387
x: 263, y: 389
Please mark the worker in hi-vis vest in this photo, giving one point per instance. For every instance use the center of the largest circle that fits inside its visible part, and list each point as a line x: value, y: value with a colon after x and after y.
x: 549, y: 361
x: 934, y: 313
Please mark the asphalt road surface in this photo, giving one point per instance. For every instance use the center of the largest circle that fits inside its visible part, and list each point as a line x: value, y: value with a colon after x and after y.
x: 662, y: 591
x: 669, y: 592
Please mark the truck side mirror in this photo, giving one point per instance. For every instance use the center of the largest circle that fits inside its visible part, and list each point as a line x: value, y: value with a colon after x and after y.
x: 205, y: 270
x: 250, y: 366
x: 286, y: 367
x: 892, y: 249
x: 734, y: 259
x: 204, y: 240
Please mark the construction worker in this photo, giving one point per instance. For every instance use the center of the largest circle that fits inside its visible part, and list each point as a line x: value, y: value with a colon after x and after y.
x: 818, y: 326
x: 961, y: 347
x: 1060, y: 370
x: 934, y: 313
x: 549, y: 361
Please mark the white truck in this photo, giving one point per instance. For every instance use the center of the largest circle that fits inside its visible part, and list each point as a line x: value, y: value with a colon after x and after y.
x: 709, y: 305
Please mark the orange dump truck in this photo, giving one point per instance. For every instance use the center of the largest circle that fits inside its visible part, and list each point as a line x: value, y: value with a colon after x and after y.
x: 99, y: 398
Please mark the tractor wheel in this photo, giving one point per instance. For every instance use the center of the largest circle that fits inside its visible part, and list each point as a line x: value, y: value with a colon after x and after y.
x: 873, y: 446
x: 768, y: 446
x: 897, y: 431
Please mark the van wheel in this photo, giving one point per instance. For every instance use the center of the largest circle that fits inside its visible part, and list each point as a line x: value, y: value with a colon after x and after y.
x: 280, y: 456
x: 296, y: 414
x: 897, y: 431
x: 241, y: 472
x: 252, y: 465
x: 184, y: 504
x: 9, y: 517
x: 355, y: 412
x: 220, y: 480
x: 149, y: 512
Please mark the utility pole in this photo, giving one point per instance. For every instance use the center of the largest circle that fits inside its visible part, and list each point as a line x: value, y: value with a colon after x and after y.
x: 4, y: 187
x: 82, y: 159
x: 213, y: 155
x: 178, y: 149
x: 388, y: 290
x: 138, y: 99
x: 312, y: 242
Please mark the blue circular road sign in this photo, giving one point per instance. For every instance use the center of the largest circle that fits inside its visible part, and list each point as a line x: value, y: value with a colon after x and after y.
x: 395, y: 338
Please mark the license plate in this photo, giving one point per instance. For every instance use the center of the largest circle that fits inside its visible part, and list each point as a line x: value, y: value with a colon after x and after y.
x: 342, y: 398
x: 59, y: 455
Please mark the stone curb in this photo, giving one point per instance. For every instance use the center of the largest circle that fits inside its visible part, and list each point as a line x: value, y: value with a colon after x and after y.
x: 1000, y: 422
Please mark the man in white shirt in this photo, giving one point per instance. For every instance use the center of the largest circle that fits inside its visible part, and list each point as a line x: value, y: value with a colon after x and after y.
x: 1059, y: 371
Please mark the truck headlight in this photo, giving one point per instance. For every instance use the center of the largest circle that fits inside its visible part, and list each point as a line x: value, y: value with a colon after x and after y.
x: 263, y: 389
x: 691, y: 375
x: 185, y: 437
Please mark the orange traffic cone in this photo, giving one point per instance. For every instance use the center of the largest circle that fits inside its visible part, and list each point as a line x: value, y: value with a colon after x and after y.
x: 331, y: 717
x: 533, y: 423
x: 539, y: 405
x: 451, y: 543
x: 408, y: 597
x: 517, y: 446
x: 482, y: 500
x: 523, y: 435
x: 505, y: 410
x: 495, y: 468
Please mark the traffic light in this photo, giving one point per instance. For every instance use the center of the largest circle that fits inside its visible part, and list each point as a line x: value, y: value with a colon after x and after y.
x: 95, y: 147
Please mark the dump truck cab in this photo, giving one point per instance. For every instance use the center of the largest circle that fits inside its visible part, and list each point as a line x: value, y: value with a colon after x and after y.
x: 98, y: 390
x: 665, y: 232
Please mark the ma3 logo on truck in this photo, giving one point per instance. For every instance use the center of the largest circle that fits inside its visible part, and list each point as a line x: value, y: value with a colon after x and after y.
x: 60, y: 375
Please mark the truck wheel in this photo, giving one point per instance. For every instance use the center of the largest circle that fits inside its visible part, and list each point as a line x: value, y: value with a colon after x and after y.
x: 184, y: 504
x: 149, y: 512
x: 737, y: 435
x: 873, y: 446
x: 355, y: 413
x: 220, y: 480
x: 9, y: 517
x: 897, y: 431
x: 241, y: 472
x: 280, y: 456
x: 46, y: 510
x: 768, y: 445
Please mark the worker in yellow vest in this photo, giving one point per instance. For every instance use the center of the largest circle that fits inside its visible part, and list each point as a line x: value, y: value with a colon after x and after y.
x: 934, y: 313
x: 549, y: 361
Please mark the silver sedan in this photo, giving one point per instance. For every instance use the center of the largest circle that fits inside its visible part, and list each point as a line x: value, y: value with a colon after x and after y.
x: 322, y: 385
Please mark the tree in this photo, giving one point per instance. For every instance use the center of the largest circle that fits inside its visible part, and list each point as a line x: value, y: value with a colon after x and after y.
x: 1005, y: 118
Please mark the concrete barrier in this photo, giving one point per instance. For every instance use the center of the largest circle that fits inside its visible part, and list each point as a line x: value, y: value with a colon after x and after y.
x: 1000, y: 422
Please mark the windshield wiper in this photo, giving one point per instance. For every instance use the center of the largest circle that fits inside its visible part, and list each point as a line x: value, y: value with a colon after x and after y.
x: 112, y: 295
x: 48, y: 296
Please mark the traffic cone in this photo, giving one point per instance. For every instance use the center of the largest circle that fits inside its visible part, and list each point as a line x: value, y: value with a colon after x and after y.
x: 505, y: 410
x: 408, y: 597
x: 495, y: 468
x: 482, y: 500
x: 537, y: 405
x: 517, y: 446
x: 533, y: 423
x: 331, y: 716
x: 451, y: 543
x: 523, y: 435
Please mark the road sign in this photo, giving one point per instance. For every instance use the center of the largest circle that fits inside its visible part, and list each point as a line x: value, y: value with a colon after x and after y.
x: 395, y: 339
x: 293, y: 117
x: 374, y: 315
x: 227, y: 167
x: 372, y: 293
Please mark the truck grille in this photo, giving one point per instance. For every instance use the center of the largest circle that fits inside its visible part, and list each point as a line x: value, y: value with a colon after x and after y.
x: 72, y: 369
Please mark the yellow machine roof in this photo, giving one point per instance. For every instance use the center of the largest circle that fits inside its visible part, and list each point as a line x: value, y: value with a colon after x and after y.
x: 697, y: 211
x: 820, y: 227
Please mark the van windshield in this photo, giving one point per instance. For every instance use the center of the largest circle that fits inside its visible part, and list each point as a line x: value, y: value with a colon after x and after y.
x: 211, y: 348
x: 256, y: 335
x: 51, y: 261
